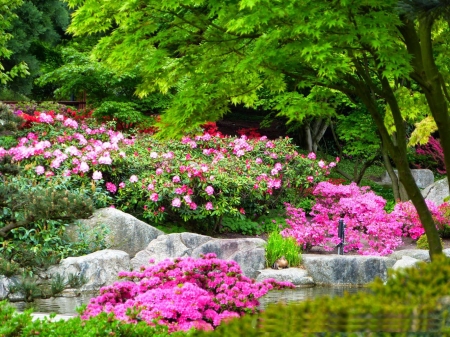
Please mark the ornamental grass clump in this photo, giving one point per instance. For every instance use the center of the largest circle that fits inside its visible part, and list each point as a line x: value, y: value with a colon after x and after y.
x: 184, y: 293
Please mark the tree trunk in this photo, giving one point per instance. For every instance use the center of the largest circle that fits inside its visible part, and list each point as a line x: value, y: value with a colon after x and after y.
x: 398, y: 154
x: 391, y: 173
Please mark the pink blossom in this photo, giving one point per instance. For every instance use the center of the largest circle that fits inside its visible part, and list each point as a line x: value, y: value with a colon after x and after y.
x: 312, y: 156
x: 321, y: 164
x: 159, y: 171
x: 210, y: 190
x: 106, y: 160
x: 187, y: 199
x: 40, y: 170
x: 209, y: 206
x: 193, y: 206
x: 111, y: 187
x: 310, y: 179
x: 176, y: 179
x: 84, y: 167
x: 153, y: 155
x: 70, y: 123
x: 97, y: 175
x: 176, y: 202
x: 154, y: 197
x: 121, y: 185
x: 134, y: 179
x: 45, y: 118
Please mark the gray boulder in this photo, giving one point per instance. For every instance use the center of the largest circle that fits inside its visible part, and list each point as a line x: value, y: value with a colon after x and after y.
x: 446, y: 252
x: 5, y: 284
x: 297, y: 276
x: 423, y: 178
x: 100, y: 268
x: 169, y: 246
x: 437, y: 191
x: 418, y: 254
x: 346, y: 269
x: 126, y: 233
x: 248, y: 253
x: 405, y: 262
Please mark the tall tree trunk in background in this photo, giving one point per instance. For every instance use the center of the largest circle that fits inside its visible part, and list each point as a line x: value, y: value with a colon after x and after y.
x: 427, y: 75
x: 313, y: 133
x: 399, y: 156
x: 391, y: 173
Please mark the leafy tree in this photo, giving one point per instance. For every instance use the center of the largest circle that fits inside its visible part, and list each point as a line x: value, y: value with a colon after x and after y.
x: 6, y: 16
x: 37, y: 27
x: 221, y: 52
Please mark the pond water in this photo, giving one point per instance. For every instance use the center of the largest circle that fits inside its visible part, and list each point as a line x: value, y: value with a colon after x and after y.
x: 68, y: 305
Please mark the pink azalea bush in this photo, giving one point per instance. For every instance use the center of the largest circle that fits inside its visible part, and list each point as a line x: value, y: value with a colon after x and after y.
x: 370, y: 230
x: 184, y: 293
x: 200, y: 177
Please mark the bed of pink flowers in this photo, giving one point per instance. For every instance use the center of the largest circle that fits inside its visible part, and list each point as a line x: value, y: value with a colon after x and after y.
x: 197, y: 178
x: 370, y: 230
x: 184, y: 293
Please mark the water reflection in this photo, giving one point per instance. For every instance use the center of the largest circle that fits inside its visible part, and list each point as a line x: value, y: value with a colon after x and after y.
x: 58, y: 305
x: 68, y: 305
x: 302, y: 294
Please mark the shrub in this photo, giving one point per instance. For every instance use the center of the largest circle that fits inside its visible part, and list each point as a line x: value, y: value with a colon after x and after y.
x: 104, y: 325
x: 182, y: 294
x: 369, y: 228
x: 197, y: 180
x: 422, y: 242
x: 277, y: 246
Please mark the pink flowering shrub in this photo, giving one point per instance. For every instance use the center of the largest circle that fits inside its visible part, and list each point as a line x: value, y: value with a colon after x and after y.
x: 406, y: 213
x: 184, y: 293
x: 369, y: 228
x: 200, y: 178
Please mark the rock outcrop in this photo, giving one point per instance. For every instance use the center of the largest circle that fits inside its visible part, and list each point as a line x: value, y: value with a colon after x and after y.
x: 100, y: 268
x: 248, y: 253
x: 423, y: 178
x: 126, y: 232
x: 437, y: 191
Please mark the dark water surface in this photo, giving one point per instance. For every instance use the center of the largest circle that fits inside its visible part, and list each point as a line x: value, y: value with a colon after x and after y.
x: 68, y: 305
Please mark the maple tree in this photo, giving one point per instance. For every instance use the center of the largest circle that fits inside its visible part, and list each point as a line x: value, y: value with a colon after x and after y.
x: 217, y: 53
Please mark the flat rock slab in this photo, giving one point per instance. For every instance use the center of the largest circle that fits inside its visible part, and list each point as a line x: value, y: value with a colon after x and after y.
x: 419, y: 254
x: 297, y: 276
x: 346, y: 270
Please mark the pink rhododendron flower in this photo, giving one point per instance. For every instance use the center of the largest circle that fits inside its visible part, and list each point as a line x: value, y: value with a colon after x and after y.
x: 176, y: 179
x: 159, y: 171
x: 193, y: 206
x: 310, y: 179
x: 210, y: 190
x: 176, y: 202
x: 84, y: 167
x: 121, y: 185
x: 187, y: 199
x: 97, y: 175
x: 40, y: 169
x: 45, y: 118
x: 111, y: 187
x: 134, y: 179
x: 312, y: 156
x: 154, y: 197
x: 70, y: 123
x: 209, y: 206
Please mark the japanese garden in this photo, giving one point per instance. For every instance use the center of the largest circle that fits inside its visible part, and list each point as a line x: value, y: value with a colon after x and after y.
x: 180, y: 160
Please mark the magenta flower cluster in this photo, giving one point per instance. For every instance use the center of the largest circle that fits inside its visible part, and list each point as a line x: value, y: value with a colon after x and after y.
x: 183, y: 293
x: 370, y: 230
